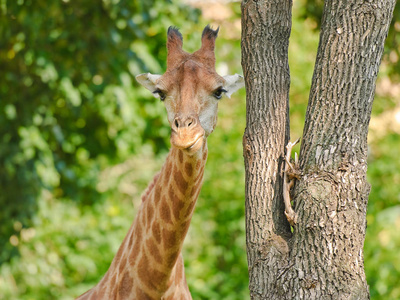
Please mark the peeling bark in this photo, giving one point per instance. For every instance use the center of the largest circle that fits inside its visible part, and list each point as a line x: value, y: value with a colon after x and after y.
x: 323, y: 257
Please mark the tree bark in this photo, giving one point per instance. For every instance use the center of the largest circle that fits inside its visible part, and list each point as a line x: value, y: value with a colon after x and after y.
x: 265, y: 42
x: 323, y: 258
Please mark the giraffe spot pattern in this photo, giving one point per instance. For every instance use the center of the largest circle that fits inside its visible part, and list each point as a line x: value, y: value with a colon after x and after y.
x: 122, y: 265
x: 134, y: 253
x: 181, y: 183
x: 176, y: 208
x: 155, y: 229
x: 142, y: 218
x: 171, y: 258
x: 193, y: 191
x: 171, y: 194
x: 125, y: 286
x: 197, y: 193
x: 165, y: 211
x: 153, y: 279
x: 130, y: 241
x: 149, y: 214
x: 174, y: 200
x: 189, y: 169
x: 153, y: 250
x: 137, y: 232
x: 141, y: 295
x: 157, y: 192
x: 184, y: 228
x: 190, y: 208
x: 169, y: 238
x: 113, y: 284
x: 200, y: 176
x: 167, y: 174
x: 135, y: 250
x: 180, y: 156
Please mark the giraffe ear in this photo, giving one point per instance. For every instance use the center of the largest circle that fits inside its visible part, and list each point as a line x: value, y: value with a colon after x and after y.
x: 233, y: 83
x: 148, y: 80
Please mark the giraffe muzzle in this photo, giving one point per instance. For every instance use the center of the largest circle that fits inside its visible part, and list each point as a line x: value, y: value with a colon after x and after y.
x: 187, y: 133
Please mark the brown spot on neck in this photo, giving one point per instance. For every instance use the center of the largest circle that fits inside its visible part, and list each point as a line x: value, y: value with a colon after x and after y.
x: 125, y: 286
x: 165, y: 211
x: 150, y: 277
x: 180, y: 156
x: 205, y: 154
x: 181, y: 183
x: 169, y: 238
x: 189, y: 169
x: 152, y: 248
x: 140, y: 294
x: 156, y: 231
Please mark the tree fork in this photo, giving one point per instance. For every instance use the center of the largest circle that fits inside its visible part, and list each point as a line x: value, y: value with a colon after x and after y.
x: 323, y: 258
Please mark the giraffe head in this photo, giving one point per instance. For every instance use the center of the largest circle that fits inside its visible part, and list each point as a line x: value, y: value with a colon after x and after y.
x: 190, y: 89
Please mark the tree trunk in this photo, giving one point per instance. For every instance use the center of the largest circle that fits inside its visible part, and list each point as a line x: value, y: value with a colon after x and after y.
x: 323, y: 258
x: 265, y: 40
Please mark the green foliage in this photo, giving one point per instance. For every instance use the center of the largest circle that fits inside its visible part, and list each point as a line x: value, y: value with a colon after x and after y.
x: 80, y: 141
x: 382, y: 260
x: 382, y: 242
x: 69, y: 105
x: 49, y: 268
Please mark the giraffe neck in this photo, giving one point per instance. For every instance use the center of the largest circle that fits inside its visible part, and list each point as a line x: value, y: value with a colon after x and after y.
x: 148, y: 262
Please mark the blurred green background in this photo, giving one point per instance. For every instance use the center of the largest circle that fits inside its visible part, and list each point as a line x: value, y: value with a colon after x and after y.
x: 80, y: 140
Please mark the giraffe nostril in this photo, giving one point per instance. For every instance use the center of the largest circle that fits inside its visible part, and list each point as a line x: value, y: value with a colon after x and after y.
x: 186, y: 122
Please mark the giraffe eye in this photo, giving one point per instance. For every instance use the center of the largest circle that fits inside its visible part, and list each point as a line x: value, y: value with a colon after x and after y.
x: 218, y: 93
x: 161, y: 94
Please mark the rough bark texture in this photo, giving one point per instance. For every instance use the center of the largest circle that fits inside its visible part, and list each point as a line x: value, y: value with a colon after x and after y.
x: 323, y: 258
x: 265, y: 41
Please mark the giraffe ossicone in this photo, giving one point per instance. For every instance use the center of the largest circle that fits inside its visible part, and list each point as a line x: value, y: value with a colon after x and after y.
x: 149, y: 263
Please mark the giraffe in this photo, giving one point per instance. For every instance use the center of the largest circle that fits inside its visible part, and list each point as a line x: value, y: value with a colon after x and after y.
x: 149, y: 263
